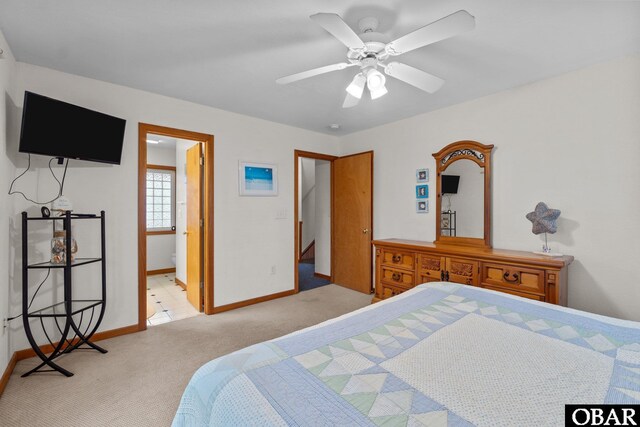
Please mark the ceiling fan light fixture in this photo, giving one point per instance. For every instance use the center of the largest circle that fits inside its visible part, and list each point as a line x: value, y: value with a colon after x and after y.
x: 375, y: 80
x: 370, y: 50
x: 377, y: 93
x: 356, y: 87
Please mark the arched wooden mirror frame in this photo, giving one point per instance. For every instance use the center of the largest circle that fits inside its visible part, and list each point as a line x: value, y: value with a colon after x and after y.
x: 481, y: 155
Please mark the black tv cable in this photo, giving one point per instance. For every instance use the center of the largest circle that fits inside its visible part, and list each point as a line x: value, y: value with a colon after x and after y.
x: 60, y: 183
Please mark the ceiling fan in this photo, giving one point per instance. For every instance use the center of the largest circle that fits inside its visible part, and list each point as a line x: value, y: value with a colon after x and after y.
x: 370, y: 50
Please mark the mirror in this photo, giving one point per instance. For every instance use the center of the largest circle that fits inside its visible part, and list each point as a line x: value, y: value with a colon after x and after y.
x: 463, y: 212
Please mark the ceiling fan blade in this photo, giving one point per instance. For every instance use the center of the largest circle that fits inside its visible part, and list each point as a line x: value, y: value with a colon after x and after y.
x: 350, y: 101
x: 449, y: 26
x: 338, y: 29
x: 314, y: 72
x: 418, y: 78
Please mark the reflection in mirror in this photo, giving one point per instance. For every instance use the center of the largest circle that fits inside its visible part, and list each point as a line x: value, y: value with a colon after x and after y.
x: 463, y: 205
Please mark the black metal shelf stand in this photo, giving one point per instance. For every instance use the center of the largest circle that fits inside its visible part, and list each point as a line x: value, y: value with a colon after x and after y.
x: 73, y: 332
x: 448, y: 226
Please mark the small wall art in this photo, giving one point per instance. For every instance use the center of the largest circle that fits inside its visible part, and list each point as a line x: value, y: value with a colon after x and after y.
x: 422, y: 175
x: 258, y: 179
x: 422, y: 191
x: 422, y: 206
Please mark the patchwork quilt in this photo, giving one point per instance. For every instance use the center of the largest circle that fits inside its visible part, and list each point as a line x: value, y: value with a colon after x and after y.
x: 441, y: 354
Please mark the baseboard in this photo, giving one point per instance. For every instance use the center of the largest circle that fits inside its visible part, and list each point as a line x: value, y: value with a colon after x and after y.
x: 252, y: 301
x: 181, y: 284
x: 322, y: 276
x: 98, y: 336
x: 161, y: 271
x: 47, y: 348
x: 7, y: 372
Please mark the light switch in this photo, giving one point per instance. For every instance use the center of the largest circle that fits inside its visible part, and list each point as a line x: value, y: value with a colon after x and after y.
x: 281, y: 213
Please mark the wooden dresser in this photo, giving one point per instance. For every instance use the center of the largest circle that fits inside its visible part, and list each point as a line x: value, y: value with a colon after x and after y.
x: 403, y: 264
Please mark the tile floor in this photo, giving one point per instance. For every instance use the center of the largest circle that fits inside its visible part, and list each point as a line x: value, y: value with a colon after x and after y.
x: 169, y: 299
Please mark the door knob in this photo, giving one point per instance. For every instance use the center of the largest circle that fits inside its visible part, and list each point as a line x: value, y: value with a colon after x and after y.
x: 185, y: 233
x: 365, y: 231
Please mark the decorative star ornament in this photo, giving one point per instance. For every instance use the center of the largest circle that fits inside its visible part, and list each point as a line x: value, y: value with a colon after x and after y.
x: 544, y: 219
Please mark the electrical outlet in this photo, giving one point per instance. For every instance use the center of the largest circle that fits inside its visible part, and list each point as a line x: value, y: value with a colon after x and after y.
x: 273, y: 269
x: 5, y: 324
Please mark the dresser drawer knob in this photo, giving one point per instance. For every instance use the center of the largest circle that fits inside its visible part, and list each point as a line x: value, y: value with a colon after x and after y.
x: 506, y: 278
x: 397, y: 258
x: 396, y: 276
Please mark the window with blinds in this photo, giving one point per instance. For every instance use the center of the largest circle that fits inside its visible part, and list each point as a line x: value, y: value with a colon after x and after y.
x: 160, y: 199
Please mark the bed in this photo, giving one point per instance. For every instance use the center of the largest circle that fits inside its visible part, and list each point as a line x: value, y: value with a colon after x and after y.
x: 440, y: 354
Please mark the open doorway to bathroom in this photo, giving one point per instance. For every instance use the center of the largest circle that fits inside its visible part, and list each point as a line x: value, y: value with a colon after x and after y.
x: 175, y: 220
x: 166, y: 211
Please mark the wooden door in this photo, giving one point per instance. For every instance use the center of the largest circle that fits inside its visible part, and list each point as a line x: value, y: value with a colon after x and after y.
x: 353, y: 221
x: 194, y: 229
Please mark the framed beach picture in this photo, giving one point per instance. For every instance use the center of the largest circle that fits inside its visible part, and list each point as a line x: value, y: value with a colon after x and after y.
x: 422, y: 191
x: 422, y: 175
x: 258, y: 179
x: 422, y: 206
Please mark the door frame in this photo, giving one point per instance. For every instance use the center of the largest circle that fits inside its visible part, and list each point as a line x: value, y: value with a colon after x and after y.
x: 207, y: 141
x: 297, y: 154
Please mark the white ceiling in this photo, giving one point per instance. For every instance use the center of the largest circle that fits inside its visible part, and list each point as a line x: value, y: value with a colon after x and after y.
x: 163, y: 141
x: 228, y: 54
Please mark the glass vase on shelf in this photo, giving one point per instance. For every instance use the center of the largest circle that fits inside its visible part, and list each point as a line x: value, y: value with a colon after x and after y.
x: 59, y: 247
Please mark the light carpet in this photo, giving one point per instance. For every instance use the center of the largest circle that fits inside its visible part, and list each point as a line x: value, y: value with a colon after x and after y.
x: 140, y: 381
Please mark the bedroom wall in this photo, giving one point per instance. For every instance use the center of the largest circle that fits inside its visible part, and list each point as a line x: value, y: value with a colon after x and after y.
x: 7, y: 173
x: 572, y: 141
x: 250, y: 240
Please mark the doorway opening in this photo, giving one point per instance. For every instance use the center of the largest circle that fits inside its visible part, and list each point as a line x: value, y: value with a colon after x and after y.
x: 333, y: 220
x: 175, y: 224
x: 314, y: 223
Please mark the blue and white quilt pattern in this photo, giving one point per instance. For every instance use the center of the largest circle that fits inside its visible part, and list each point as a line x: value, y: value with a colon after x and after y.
x: 441, y: 354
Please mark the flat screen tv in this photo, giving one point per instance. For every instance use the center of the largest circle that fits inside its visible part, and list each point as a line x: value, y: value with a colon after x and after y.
x: 450, y: 184
x: 59, y: 129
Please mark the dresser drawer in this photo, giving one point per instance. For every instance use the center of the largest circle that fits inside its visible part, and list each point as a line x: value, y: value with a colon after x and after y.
x: 397, y: 277
x: 423, y: 278
x: 398, y: 259
x: 461, y: 270
x: 388, y: 291
x: 430, y: 267
x: 512, y: 277
x: 512, y: 292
